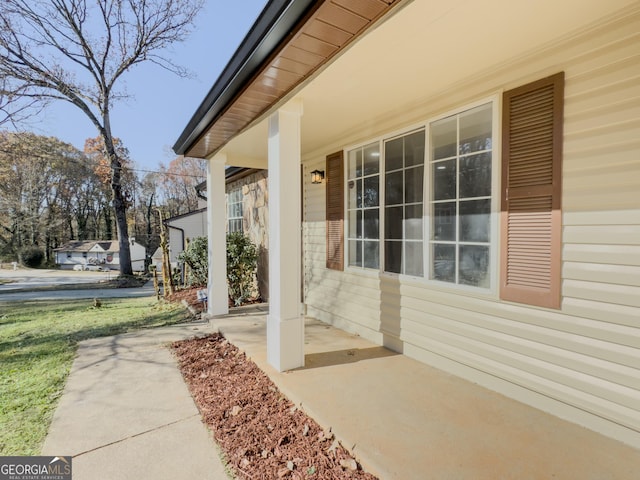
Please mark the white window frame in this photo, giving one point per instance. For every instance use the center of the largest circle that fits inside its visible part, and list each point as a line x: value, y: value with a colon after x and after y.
x: 347, y: 238
x: 494, y: 232
x: 383, y: 207
x: 230, y: 203
x: 494, y: 216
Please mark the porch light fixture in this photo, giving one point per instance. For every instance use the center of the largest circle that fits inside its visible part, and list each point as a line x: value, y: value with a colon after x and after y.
x: 317, y: 176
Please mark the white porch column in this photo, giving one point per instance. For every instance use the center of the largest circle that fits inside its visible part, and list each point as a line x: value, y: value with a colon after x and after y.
x: 217, y: 236
x: 285, y: 324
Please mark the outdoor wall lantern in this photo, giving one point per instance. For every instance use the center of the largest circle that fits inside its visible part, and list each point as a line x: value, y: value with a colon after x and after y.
x: 317, y: 176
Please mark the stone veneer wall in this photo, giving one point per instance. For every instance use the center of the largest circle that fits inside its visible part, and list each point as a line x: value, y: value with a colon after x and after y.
x: 255, y: 212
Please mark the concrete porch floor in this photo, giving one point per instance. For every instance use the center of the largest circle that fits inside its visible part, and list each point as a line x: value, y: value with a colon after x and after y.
x: 405, y: 420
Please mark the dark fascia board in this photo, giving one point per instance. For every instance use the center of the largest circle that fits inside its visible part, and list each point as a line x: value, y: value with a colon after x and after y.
x: 230, y: 174
x: 274, y: 24
x: 183, y: 215
x: 240, y: 174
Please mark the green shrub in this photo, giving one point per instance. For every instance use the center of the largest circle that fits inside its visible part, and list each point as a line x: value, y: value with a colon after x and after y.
x: 31, y: 256
x: 196, y: 257
x: 242, y: 262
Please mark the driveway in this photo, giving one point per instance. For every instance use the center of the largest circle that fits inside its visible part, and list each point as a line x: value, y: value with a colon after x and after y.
x: 30, y: 277
x: 26, y: 284
x: 145, y: 291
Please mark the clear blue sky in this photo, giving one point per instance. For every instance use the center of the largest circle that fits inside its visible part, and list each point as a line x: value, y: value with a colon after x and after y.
x: 162, y: 103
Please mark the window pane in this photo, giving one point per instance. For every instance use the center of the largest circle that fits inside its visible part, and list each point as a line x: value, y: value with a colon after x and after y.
x: 393, y: 152
x: 443, y: 138
x: 444, y: 260
x: 413, y: 222
x: 475, y: 129
x: 363, y: 202
x: 474, y: 265
x: 474, y: 220
x: 392, y: 256
x: 355, y: 193
x: 372, y: 255
x: 444, y: 221
x: 355, y: 224
x: 444, y: 180
x: 371, y: 190
x: 355, y: 163
x: 351, y: 201
x: 413, y: 260
x: 393, y: 223
x: 461, y: 172
x: 235, y: 225
x: 371, y: 159
x: 355, y: 253
x: 414, y: 179
x: 393, y: 188
x: 371, y: 223
x: 414, y: 149
x: 475, y: 176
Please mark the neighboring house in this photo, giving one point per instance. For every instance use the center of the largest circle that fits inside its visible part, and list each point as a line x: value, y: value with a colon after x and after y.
x: 182, y: 229
x: 247, y: 212
x: 480, y: 208
x: 94, y: 252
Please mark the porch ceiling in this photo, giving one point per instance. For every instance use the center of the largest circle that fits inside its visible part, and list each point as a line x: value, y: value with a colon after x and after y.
x: 418, y: 53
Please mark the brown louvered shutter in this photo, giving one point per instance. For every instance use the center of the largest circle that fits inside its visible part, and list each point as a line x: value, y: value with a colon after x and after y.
x: 531, y: 193
x: 335, y: 211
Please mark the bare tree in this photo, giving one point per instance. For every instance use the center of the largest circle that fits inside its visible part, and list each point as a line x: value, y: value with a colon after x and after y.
x: 76, y: 51
x: 178, y: 185
x: 14, y: 108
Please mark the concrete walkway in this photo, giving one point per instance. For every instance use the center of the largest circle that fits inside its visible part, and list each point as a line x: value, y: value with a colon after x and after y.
x: 126, y: 413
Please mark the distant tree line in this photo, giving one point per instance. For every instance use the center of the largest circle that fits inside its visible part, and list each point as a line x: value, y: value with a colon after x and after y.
x: 52, y: 192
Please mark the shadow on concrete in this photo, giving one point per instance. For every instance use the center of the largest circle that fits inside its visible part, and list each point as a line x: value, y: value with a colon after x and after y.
x: 343, y: 357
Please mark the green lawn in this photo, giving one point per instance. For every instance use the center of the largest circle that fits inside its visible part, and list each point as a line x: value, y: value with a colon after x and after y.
x: 38, y: 340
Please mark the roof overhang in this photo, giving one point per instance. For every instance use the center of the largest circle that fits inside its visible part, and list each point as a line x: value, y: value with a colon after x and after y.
x: 416, y: 58
x: 290, y: 40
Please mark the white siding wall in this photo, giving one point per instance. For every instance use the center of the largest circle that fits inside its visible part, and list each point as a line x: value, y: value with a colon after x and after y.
x: 349, y: 301
x: 194, y: 225
x: 581, y: 362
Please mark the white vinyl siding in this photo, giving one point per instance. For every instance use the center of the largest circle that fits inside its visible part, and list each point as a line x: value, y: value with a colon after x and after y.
x: 581, y: 362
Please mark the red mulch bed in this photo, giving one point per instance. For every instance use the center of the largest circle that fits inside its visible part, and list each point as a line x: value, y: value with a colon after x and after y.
x: 263, y: 435
x: 188, y: 295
